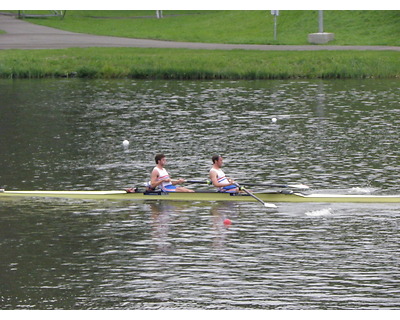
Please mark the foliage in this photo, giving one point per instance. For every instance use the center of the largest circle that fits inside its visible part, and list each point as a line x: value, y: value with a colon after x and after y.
x: 197, y: 64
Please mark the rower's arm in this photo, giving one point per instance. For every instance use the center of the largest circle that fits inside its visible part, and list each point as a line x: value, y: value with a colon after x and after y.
x: 179, y: 181
x: 214, y: 180
x: 153, y: 179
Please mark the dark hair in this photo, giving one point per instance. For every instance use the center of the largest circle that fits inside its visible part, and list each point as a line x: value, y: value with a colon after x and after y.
x: 159, y: 157
x: 215, y: 158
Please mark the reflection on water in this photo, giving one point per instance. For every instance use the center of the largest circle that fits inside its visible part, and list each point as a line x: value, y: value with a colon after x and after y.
x: 77, y: 254
x: 167, y: 214
x: 135, y: 255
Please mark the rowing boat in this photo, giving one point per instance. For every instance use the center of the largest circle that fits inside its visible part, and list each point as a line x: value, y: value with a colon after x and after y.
x: 279, y: 196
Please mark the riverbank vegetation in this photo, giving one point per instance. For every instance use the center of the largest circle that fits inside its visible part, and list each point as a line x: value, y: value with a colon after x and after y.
x: 250, y: 27
x: 351, y: 27
x: 197, y: 64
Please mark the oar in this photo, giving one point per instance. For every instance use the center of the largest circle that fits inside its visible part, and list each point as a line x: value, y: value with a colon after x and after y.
x: 199, y: 181
x: 273, y: 185
x: 267, y: 205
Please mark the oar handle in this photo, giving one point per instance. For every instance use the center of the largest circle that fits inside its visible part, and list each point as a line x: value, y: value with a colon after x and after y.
x: 200, y: 181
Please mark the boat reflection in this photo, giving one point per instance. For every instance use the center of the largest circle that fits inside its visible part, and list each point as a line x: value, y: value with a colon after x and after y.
x: 211, y: 221
x: 161, y: 214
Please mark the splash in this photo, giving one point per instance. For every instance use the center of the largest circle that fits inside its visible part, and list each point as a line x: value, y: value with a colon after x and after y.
x: 319, y: 213
x: 359, y: 190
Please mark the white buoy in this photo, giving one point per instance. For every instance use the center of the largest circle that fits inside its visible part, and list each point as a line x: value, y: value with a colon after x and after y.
x: 125, y: 143
x: 274, y: 120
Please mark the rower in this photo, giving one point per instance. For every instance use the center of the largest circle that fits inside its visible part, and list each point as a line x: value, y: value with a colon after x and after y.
x: 161, y: 178
x: 218, y: 178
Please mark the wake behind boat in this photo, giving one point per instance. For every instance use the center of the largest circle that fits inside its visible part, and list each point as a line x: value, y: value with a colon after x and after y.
x: 274, y: 197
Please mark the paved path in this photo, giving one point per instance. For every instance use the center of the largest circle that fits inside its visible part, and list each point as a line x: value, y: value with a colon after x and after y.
x: 24, y: 35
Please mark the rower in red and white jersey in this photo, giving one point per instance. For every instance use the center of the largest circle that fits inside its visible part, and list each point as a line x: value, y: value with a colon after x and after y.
x: 218, y: 177
x: 161, y: 178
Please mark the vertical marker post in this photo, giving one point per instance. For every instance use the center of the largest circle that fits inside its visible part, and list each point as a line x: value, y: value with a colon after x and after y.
x: 275, y: 13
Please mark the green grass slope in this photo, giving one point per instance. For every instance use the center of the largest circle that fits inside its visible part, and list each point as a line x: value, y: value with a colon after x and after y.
x: 249, y: 27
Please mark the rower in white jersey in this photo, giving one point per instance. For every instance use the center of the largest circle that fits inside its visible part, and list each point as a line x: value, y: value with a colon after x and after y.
x: 160, y: 177
x: 218, y: 178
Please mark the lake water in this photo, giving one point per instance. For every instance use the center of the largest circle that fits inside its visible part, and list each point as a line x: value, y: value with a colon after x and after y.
x: 335, y: 136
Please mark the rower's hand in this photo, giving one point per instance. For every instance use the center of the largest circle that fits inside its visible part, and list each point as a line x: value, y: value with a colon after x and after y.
x: 180, y: 181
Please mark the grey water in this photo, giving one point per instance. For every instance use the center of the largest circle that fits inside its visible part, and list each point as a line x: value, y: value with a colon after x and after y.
x: 335, y: 136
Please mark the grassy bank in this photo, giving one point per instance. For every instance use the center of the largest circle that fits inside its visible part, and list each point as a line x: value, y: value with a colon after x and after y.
x: 196, y: 64
x: 252, y: 27
x: 358, y: 27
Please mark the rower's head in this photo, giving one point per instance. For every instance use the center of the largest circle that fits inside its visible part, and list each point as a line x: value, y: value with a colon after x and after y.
x: 217, y: 159
x: 159, y: 157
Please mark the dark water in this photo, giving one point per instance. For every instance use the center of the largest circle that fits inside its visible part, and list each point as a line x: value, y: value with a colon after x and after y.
x: 76, y: 254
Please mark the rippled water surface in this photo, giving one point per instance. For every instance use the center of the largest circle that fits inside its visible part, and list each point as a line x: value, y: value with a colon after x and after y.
x: 336, y: 136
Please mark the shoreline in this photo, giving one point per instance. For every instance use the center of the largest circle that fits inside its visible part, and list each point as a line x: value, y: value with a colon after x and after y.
x: 32, y: 51
x: 188, y: 64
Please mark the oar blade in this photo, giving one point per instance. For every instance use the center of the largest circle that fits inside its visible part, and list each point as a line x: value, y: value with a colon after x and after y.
x: 298, y: 186
x: 267, y: 205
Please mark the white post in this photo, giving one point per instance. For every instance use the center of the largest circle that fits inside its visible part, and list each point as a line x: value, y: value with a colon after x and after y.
x: 321, y: 36
x: 275, y: 13
x: 320, y: 21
